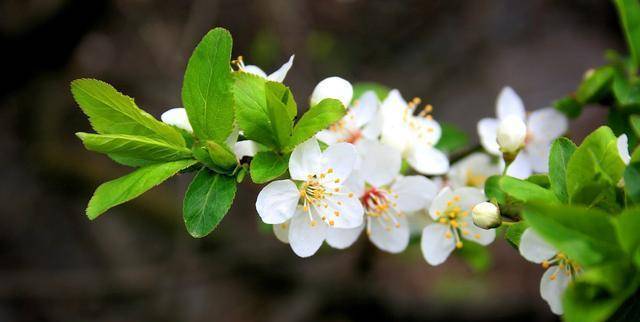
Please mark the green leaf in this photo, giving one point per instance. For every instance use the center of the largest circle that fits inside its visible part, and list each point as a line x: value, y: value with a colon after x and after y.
x: 363, y: 87
x: 251, y: 108
x: 206, y: 90
x: 222, y: 155
x: 632, y: 181
x: 267, y: 165
x: 585, y: 302
x: 569, y: 106
x: 595, y: 86
x: 561, y: 151
x: 279, y: 117
x: 629, y: 12
x: 452, y: 138
x: 514, y: 232
x: 284, y: 95
x: 628, y: 228
x: 207, y: 201
x: 634, y: 121
x: 111, y: 112
x: 585, y: 235
x: 512, y: 194
x: 627, y: 93
x: 594, y: 166
x: 132, y: 147
x: 123, y: 189
x: 539, y: 179
x: 318, y: 117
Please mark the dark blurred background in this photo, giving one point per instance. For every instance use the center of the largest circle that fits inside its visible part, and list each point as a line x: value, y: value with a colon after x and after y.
x: 137, y: 263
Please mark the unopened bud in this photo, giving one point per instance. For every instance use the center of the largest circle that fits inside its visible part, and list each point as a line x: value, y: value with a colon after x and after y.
x: 333, y: 87
x: 512, y: 133
x: 486, y: 215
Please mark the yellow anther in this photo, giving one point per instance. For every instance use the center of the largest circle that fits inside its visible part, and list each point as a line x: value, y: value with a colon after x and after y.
x: 456, y: 198
x: 443, y: 220
x: 447, y: 235
x: 350, y: 194
x: 476, y: 236
x: 459, y: 244
x: 545, y: 264
x: 336, y: 189
x: 454, y: 224
x: 398, y: 225
x: 339, y: 203
x: 449, y: 203
x: 313, y: 223
x: 336, y: 213
x: 331, y: 222
x: 305, y: 208
x: 330, y: 170
x: 337, y: 180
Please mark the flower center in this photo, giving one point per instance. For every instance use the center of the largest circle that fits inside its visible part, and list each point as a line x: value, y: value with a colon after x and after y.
x: 379, y: 205
x: 474, y: 180
x: 564, y: 265
x: 315, y: 193
x: 453, y: 216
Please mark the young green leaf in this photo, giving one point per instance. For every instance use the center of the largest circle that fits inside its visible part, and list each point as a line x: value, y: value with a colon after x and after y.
x: 452, y: 138
x: 634, y: 121
x: 222, y: 155
x: 279, y: 116
x: 267, y: 165
x: 207, y: 201
x: 317, y: 118
x: 540, y: 179
x: 123, y: 189
x: 561, y: 151
x: 206, y: 91
x: 632, y: 181
x: 595, y: 86
x: 514, y: 232
x: 627, y: 228
x: 111, y: 112
x: 584, y: 301
x: 512, y: 194
x: 134, y: 147
x: 251, y: 108
x: 585, y: 235
x: 629, y: 12
x: 284, y: 95
x: 626, y: 92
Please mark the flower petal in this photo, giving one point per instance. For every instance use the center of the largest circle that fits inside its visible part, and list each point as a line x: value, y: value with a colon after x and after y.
x: 178, y: 118
x: 546, y: 124
x: 355, y: 183
x: 520, y: 167
x: 281, y: 73
x: 306, y: 236
x: 282, y: 231
x: 414, y: 192
x: 330, y: 137
x: 623, y: 148
x: 389, y: 237
x: 472, y: 171
x: 469, y: 197
x: 338, y: 161
x: 380, y: 164
x: 509, y: 103
x: 305, y: 160
x: 436, y: 247
x: 428, y: 160
x: 477, y: 235
x: 534, y: 249
x: 246, y: 148
x: 365, y: 109
x: 255, y: 70
x: 439, y: 203
x: 552, y: 286
x: 342, y: 238
x: 488, y: 133
x: 538, y: 156
x: 332, y: 87
x: 343, y: 211
x: 277, y: 201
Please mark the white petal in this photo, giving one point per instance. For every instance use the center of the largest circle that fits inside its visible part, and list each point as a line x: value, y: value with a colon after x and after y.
x: 623, y: 148
x: 478, y: 235
x: 469, y: 197
x: 255, y: 70
x: 509, y: 103
x: 393, y: 106
x: 332, y: 87
x: 330, y: 137
x: 488, y: 131
x: 428, y: 160
x: 343, y: 211
x: 338, y: 161
x: 434, y: 244
x: 178, y: 118
x: 306, y: 236
x: 552, y: 288
x: 282, y: 231
x: 439, y: 203
x: 355, y: 183
x: 380, y: 164
x: 365, y: 109
x: 534, y: 249
x: 277, y: 201
x: 387, y: 236
x: 414, y: 192
x: 472, y: 171
x: 305, y: 160
x: 246, y: 148
x: 538, y: 156
x: 425, y: 131
x: 373, y: 128
x: 342, y: 238
x: 520, y: 167
x: 547, y: 124
x: 281, y: 73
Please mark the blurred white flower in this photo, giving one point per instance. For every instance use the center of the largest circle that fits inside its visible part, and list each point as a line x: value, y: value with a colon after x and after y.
x: 472, y: 171
x: 451, y: 211
x: 388, y: 197
x: 543, y: 126
x: 358, y: 125
x: 511, y: 134
x: 277, y: 76
x: 332, y: 87
x: 414, y: 136
x: 320, y: 177
x: 560, y: 269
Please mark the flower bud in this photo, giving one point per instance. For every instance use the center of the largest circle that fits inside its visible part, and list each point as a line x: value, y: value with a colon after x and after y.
x: 486, y: 215
x: 333, y: 87
x: 178, y: 118
x: 511, y: 134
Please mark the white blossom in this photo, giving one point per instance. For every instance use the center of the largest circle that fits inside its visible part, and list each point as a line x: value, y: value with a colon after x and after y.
x: 472, y: 171
x: 332, y: 87
x: 277, y: 76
